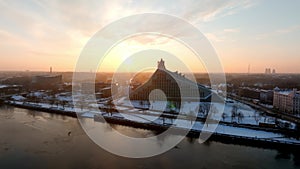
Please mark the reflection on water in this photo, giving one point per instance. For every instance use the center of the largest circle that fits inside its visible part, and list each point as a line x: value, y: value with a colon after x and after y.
x: 131, y: 132
x: 32, y: 139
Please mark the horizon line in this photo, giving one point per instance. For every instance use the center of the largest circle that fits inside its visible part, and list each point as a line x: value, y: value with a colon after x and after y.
x: 43, y: 71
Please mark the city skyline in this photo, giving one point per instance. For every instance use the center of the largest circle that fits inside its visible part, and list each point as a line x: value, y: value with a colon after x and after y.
x: 38, y: 34
x: 141, y: 84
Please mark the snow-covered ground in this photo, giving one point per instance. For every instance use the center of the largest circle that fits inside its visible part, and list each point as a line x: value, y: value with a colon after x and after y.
x: 18, y: 98
x: 251, y: 116
x: 200, y: 126
x: 248, y: 114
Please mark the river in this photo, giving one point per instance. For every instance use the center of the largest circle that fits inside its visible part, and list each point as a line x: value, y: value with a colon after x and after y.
x: 32, y: 139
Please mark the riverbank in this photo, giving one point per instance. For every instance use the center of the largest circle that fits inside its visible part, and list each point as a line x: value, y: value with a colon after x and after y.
x: 35, y: 139
x: 54, y: 110
x: 219, y: 137
x: 226, y: 134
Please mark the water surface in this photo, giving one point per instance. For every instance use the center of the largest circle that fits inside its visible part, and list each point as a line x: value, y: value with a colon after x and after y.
x: 31, y: 139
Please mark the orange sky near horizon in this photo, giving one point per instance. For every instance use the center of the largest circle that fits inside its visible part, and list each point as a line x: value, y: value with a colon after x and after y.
x: 37, y: 35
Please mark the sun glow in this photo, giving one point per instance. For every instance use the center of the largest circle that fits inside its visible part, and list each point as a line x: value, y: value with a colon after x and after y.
x: 121, y: 53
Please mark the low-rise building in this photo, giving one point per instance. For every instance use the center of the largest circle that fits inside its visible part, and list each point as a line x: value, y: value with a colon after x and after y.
x: 264, y: 96
x: 9, y: 89
x: 249, y: 93
x: 287, y: 101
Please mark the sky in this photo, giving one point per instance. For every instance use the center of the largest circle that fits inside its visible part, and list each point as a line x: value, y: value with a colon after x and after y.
x: 37, y: 34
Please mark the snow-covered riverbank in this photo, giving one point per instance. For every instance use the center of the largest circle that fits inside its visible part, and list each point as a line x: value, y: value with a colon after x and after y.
x: 136, y: 115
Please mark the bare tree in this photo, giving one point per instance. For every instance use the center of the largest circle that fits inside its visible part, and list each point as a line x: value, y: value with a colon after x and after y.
x: 214, y: 110
x: 63, y: 103
x: 111, y: 106
x: 209, y: 119
x: 163, y: 118
x: 141, y: 103
x: 224, y: 116
x: 234, y: 112
x: 265, y: 117
x: 204, y: 109
x: 82, y: 103
x: 240, y: 116
x: 191, y: 116
x: 52, y: 102
x: 256, y: 117
x: 210, y: 115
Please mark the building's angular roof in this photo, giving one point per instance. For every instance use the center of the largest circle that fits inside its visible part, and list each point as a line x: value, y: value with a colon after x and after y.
x: 198, y: 91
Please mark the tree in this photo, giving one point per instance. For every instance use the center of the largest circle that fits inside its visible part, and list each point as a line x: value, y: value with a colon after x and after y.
x: 148, y: 104
x: 214, y: 110
x: 191, y: 116
x: 142, y: 103
x: 111, y: 106
x: 265, y: 117
x: 57, y: 103
x: 240, y: 116
x: 63, y: 103
x: 37, y: 101
x: 163, y: 118
x: 234, y: 112
x: 204, y: 109
x: 171, y: 106
x: 209, y: 118
x: 52, y: 102
x: 256, y: 117
x: 82, y: 102
x: 224, y: 116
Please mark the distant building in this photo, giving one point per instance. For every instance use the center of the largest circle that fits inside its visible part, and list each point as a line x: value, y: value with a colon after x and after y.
x: 264, y: 96
x: 40, y: 82
x: 46, y: 82
x: 249, y: 93
x: 167, y: 81
x: 268, y: 71
x: 25, y: 81
x: 10, y: 89
x: 287, y: 101
x: 90, y: 88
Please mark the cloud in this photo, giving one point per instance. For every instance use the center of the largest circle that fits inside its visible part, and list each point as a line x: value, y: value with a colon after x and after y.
x: 232, y: 30
x: 91, y: 16
x: 149, y: 40
x: 222, y: 36
x: 278, y: 32
x: 288, y: 30
x: 213, y: 37
x: 61, y: 28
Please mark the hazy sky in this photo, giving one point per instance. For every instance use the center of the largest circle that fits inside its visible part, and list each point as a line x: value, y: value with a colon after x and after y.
x: 35, y: 35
